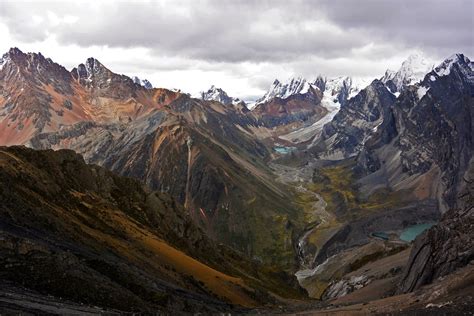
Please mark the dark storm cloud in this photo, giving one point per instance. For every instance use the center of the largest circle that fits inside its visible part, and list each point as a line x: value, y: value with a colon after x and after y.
x: 442, y: 26
x: 217, y: 31
x: 211, y: 30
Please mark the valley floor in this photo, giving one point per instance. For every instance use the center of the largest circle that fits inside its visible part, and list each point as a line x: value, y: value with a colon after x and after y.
x: 352, y: 254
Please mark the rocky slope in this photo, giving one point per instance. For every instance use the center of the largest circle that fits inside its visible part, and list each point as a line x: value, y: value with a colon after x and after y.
x: 445, y: 247
x: 393, y: 138
x: 193, y: 150
x: 79, y: 232
x: 298, y: 109
x: 362, y: 165
x: 357, y: 119
x: 425, y: 144
x: 384, y: 164
x: 204, y: 153
x: 286, y: 103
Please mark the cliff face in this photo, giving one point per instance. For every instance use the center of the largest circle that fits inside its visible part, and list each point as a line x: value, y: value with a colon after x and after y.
x: 446, y: 246
x: 357, y: 120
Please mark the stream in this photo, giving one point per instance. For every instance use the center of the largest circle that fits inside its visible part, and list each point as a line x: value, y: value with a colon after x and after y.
x: 320, y: 218
x: 298, y: 177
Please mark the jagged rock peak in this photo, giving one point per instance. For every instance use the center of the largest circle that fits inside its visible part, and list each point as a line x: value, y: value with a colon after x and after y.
x: 320, y: 82
x: 91, y: 70
x: 15, y: 51
x: 283, y: 90
x: 17, y: 55
x: 217, y: 94
x: 35, y: 63
x: 144, y: 83
x: 445, y: 67
x: 93, y: 66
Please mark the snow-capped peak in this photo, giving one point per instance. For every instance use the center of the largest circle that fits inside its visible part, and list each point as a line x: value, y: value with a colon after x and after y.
x: 444, y: 68
x: 217, y: 94
x: 335, y: 85
x: 412, y: 71
x: 341, y: 88
x: 144, y: 83
x: 284, y: 90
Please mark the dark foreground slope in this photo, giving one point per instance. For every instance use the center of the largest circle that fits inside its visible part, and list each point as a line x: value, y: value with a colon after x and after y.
x: 79, y: 232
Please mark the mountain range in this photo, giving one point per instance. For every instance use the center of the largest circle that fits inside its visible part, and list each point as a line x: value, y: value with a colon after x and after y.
x: 202, y: 204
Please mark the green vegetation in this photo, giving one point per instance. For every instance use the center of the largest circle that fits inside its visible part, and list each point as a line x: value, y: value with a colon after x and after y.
x: 337, y: 186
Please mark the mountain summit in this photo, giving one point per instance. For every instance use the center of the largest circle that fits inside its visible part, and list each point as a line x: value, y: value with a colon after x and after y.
x: 284, y: 90
x: 412, y: 70
x: 217, y: 94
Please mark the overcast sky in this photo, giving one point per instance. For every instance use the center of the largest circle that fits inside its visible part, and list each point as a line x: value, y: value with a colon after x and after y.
x: 241, y: 46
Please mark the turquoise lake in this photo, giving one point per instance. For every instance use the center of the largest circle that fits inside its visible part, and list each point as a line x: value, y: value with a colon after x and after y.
x: 410, y: 233
x: 283, y: 150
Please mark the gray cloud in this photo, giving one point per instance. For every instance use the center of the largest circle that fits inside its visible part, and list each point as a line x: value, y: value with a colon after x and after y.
x: 251, y: 40
x: 440, y: 26
x: 210, y: 30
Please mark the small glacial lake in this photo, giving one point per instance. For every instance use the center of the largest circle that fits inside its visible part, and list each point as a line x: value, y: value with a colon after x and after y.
x: 410, y: 233
x: 283, y: 150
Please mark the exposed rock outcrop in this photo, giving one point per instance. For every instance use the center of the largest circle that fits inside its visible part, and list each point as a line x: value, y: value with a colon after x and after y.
x: 446, y: 246
x: 357, y: 119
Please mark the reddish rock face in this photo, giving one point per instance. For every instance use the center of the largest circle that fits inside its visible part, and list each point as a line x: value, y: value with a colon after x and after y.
x: 38, y: 95
x: 278, y: 111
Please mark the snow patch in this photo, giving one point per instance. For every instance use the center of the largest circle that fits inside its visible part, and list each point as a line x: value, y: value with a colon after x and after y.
x: 421, y: 92
x: 314, y: 131
x: 358, y: 84
x: 251, y: 104
x: 412, y: 71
